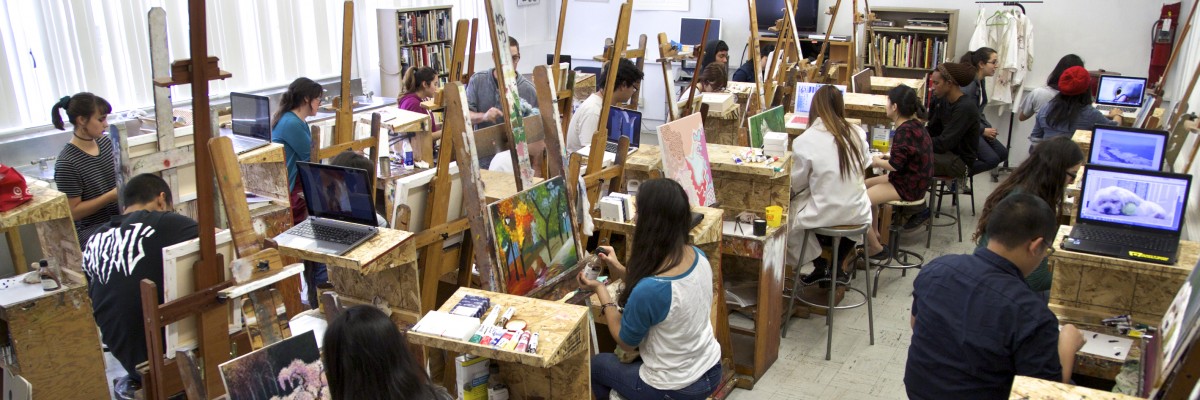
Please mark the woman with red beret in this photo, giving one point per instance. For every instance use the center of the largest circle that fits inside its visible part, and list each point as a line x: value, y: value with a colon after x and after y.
x: 1071, y: 109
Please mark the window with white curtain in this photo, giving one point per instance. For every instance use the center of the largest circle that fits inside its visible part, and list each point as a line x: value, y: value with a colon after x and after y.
x: 55, y: 48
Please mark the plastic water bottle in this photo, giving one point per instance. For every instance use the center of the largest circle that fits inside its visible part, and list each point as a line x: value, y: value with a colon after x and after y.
x: 408, y: 156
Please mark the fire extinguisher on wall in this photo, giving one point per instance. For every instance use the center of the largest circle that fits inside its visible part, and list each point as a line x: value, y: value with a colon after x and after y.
x: 1162, y: 39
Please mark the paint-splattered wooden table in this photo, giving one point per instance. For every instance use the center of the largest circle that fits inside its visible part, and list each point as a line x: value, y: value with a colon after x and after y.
x: 1026, y: 388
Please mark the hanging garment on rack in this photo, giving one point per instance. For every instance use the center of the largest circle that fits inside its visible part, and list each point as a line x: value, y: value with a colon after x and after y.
x: 1010, y: 33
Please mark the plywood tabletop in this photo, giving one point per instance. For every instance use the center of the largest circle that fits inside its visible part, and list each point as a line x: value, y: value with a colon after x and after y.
x: 388, y: 249
x: 1026, y: 388
x: 47, y: 204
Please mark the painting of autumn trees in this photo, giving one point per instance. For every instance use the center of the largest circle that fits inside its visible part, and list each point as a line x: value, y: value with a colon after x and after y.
x: 534, y: 241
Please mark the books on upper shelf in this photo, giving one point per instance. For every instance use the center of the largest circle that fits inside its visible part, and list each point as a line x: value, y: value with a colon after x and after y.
x: 423, y: 26
x: 927, y: 25
x: 428, y: 55
x: 910, y: 51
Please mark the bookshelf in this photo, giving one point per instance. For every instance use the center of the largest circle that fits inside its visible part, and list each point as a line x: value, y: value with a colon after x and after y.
x: 911, y: 51
x: 420, y: 36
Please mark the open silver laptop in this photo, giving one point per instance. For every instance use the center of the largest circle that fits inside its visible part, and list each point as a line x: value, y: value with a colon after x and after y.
x: 1124, y: 92
x: 251, y: 121
x: 340, y: 213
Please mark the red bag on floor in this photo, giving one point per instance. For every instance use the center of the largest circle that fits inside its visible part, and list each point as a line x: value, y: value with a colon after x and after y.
x: 13, y: 191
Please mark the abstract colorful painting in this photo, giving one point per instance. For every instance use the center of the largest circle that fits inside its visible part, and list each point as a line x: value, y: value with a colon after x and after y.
x: 290, y: 369
x: 685, y: 158
x: 534, y: 239
x: 763, y: 122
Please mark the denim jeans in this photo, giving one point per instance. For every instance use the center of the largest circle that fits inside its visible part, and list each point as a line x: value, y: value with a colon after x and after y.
x: 990, y: 154
x: 609, y: 374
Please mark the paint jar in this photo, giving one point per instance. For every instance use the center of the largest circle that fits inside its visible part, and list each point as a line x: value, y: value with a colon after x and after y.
x: 592, y: 267
x: 774, y: 216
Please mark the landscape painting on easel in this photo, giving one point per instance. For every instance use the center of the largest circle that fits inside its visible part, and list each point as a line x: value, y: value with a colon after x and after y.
x: 763, y: 122
x: 685, y: 158
x: 534, y: 239
x: 289, y: 369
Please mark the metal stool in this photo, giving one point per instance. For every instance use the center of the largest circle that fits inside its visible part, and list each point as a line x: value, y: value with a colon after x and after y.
x: 898, y: 258
x: 836, y: 232
x: 942, y: 186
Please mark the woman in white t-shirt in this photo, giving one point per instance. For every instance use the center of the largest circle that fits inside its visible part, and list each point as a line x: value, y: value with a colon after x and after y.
x: 1040, y: 96
x: 667, y: 304
x: 828, y: 181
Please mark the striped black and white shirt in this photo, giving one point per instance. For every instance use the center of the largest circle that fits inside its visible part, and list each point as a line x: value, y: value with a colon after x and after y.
x: 79, y: 174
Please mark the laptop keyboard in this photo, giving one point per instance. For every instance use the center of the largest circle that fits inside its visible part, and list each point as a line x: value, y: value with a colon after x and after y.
x: 1117, y: 236
x: 327, y: 233
x: 612, y: 147
x: 1107, y: 108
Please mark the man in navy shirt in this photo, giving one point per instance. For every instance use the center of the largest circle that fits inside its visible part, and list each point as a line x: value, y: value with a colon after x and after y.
x: 977, y: 324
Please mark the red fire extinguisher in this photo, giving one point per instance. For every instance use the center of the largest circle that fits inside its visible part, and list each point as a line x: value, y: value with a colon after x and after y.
x: 1162, y: 38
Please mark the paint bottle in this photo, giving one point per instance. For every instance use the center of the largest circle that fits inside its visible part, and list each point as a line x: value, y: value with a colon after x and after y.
x: 408, y: 154
x: 49, y: 281
x: 592, y: 266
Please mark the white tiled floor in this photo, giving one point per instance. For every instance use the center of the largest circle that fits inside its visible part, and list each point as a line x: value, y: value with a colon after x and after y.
x: 859, y: 370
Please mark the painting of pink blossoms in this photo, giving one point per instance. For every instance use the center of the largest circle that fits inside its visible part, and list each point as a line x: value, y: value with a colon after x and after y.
x: 288, y: 370
x: 685, y: 158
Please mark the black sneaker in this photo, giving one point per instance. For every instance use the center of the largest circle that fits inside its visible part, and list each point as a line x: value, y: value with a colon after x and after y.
x: 124, y: 388
x: 820, y: 271
x: 917, y: 220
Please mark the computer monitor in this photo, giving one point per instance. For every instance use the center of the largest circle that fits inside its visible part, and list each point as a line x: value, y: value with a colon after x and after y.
x: 1117, y: 146
x: 1127, y: 198
x: 690, y: 30
x: 251, y: 115
x: 622, y: 122
x: 770, y: 11
x: 804, y: 95
x: 1124, y: 91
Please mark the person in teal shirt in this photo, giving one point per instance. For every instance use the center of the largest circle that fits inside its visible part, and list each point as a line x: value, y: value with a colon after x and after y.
x: 1052, y: 166
x: 302, y: 99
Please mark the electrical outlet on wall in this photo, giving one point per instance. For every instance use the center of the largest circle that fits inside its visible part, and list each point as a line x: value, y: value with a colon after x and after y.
x: 528, y: 2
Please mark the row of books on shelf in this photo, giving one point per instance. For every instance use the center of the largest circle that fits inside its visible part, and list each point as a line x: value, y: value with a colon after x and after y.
x: 424, y: 26
x: 430, y: 55
x: 909, y: 51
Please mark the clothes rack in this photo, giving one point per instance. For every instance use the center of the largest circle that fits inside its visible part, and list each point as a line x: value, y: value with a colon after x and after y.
x: 1012, y: 111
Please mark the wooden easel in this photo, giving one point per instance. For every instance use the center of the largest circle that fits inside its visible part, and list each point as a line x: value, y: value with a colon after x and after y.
x: 344, y: 102
x: 371, y: 142
x: 688, y: 107
x: 638, y: 55
x: 668, y: 54
x: 596, y: 175
x: 514, y: 124
x: 759, y: 89
x: 213, y: 323
x: 786, y: 46
x: 564, y: 98
x: 833, y: 12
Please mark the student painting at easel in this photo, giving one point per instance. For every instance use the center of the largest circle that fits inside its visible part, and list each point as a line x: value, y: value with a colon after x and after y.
x: 419, y: 85
x: 300, y: 101
x: 586, y: 120
x: 483, y: 93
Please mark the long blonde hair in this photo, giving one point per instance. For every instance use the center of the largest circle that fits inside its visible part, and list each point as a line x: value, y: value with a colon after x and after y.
x: 828, y: 105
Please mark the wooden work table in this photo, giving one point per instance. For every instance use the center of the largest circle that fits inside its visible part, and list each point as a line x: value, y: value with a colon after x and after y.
x: 870, y: 108
x: 1093, y: 365
x: 49, y: 212
x: 561, y: 367
x: 793, y: 132
x: 882, y: 84
x: 1026, y: 388
x: 1098, y: 286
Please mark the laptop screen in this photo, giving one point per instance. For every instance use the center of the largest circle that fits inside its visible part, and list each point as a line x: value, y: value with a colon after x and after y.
x: 251, y: 115
x: 1140, y: 199
x: 339, y: 193
x: 1128, y: 147
x: 1120, y: 90
x: 804, y: 94
x: 622, y: 122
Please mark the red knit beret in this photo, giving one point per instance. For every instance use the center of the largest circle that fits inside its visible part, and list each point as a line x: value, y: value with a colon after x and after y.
x: 1074, y: 81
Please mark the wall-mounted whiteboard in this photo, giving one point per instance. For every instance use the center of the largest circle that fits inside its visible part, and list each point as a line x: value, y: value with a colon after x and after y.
x: 660, y: 5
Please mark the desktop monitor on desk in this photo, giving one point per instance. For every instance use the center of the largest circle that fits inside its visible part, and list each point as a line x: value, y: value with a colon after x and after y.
x: 691, y: 30
x: 770, y: 11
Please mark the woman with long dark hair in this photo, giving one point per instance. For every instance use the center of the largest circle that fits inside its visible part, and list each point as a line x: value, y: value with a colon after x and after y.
x: 288, y: 127
x: 990, y: 152
x: 1037, y: 98
x: 828, y: 181
x: 367, y: 358
x: 419, y: 85
x: 1052, y: 166
x: 910, y: 161
x: 667, y: 305
x: 84, y: 169
x: 1071, y: 109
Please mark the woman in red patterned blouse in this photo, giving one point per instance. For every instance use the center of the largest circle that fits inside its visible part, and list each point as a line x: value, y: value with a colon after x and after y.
x: 910, y: 163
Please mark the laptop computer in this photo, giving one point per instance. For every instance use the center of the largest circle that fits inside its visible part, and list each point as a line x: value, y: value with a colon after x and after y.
x: 804, y: 94
x: 1130, y: 214
x: 1132, y: 148
x: 1124, y: 92
x: 621, y: 122
x: 251, y: 121
x: 340, y: 213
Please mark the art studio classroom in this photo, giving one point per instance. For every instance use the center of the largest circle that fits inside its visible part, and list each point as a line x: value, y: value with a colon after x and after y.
x: 599, y: 199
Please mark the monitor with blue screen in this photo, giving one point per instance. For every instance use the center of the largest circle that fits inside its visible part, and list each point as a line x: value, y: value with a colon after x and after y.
x: 1134, y: 148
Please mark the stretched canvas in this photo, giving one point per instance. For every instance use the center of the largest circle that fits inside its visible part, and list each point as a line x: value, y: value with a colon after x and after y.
x: 763, y: 122
x: 514, y: 113
x: 290, y: 369
x: 534, y: 240
x: 685, y: 158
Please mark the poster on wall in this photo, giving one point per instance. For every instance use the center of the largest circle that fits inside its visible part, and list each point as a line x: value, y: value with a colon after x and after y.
x: 660, y: 5
x: 535, y: 242
x: 685, y: 158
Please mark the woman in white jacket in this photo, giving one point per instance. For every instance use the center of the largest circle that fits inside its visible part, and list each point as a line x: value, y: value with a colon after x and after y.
x: 828, y: 182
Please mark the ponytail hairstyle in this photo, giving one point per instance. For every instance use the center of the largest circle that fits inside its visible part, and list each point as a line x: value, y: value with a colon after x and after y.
x: 301, y: 90
x: 979, y: 56
x: 415, y: 78
x: 906, y: 101
x: 83, y: 104
x: 828, y: 105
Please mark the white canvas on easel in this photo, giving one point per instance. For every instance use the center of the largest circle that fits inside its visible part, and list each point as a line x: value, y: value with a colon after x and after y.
x: 178, y: 281
x: 16, y: 387
x: 413, y: 191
